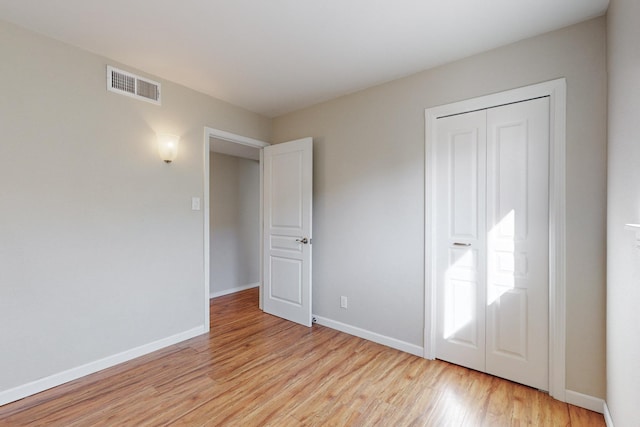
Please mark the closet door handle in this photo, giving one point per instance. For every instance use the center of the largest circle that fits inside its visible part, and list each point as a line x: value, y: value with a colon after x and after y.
x: 461, y: 244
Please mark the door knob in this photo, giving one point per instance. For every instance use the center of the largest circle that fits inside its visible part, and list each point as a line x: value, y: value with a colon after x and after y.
x: 304, y: 240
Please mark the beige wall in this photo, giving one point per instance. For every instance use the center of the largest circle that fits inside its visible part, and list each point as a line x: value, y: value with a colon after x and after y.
x: 235, y: 222
x: 369, y: 189
x: 623, y: 261
x: 100, y: 251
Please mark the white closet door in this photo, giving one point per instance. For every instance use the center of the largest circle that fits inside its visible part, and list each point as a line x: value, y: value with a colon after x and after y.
x: 492, y: 247
x: 518, y: 242
x: 460, y: 224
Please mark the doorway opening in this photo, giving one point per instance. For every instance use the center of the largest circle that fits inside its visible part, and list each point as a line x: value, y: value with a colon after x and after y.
x: 232, y: 214
x: 234, y: 222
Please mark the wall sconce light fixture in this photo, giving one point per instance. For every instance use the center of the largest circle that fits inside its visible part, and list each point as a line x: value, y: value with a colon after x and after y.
x: 168, y: 146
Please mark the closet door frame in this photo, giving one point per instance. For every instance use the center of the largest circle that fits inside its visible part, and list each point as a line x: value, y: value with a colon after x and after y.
x: 556, y: 90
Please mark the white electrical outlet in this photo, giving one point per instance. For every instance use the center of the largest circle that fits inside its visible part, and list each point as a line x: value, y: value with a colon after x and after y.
x: 343, y: 302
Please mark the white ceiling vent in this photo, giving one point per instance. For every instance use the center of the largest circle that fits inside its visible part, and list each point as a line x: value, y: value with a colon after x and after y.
x: 131, y: 85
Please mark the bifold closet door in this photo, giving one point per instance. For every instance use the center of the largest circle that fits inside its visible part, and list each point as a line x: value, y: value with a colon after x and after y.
x: 517, y: 329
x: 461, y: 239
x: 492, y: 222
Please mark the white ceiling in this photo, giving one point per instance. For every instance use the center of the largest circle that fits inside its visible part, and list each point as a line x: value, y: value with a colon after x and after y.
x: 277, y: 56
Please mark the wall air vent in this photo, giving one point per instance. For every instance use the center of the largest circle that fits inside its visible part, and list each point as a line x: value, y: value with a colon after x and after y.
x: 131, y: 85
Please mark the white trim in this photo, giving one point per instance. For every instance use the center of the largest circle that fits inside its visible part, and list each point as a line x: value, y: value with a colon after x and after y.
x: 591, y: 403
x: 556, y: 90
x: 607, y: 416
x: 207, y: 233
x: 234, y: 290
x: 238, y: 139
x: 371, y: 336
x: 60, y: 378
x: 261, y: 213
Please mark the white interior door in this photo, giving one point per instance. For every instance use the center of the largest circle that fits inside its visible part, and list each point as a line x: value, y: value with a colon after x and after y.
x: 492, y: 222
x: 288, y: 171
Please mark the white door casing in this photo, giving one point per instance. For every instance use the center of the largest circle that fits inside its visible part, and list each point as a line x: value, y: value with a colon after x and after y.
x: 210, y: 133
x: 555, y: 90
x: 288, y: 172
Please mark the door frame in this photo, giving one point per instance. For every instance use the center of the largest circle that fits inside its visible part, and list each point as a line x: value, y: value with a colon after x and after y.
x: 556, y: 90
x: 237, y: 139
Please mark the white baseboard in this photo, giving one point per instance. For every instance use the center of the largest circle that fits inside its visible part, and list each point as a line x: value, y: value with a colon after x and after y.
x: 60, y: 378
x: 371, y: 336
x: 233, y: 290
x: 607, y: 416
x: 584, y: 401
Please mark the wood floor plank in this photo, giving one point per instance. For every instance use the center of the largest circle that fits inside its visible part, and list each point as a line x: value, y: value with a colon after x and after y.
x: 583, y: 417
x: 254, y: 369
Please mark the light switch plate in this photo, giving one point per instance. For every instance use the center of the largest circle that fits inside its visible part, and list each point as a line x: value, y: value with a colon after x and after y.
x: 195, y: 203
x: 343, y: 302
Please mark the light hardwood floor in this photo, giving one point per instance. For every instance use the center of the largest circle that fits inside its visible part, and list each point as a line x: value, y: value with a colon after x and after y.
x: 254, y: 369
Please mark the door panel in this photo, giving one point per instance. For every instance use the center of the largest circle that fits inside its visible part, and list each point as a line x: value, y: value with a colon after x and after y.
x: 518, y: 230
x: 460, y: 183
x: 287, y: 230
x: 284, y: 272
x: 460, y: 297
x: 286, y: 190
x: 463, y: 180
